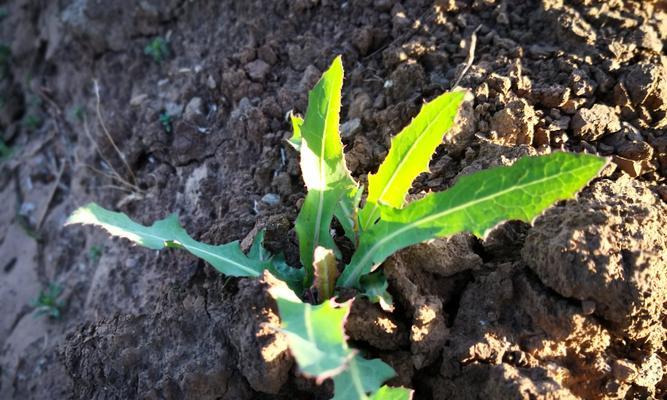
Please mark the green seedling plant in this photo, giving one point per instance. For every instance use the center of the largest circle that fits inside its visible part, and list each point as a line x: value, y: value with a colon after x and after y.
x: 166, y: 122
x: 384, y: 225
x: 47, y: 303
x: 158, y: 49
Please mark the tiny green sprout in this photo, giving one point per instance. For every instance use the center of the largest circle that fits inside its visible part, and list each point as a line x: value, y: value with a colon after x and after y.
x: 78, y: 113
x: 94, y: 253
x: 384, y: 224
x: 47, y: 303
x: 5, y: 151
x: 31, y: 122
x: 158, y: 49
x: 166, y: 122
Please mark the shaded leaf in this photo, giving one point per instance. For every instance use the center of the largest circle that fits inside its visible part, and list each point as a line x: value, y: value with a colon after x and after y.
x: 361, y: 377
x: 227, y: 258
x: 409, y: 155
x: 295, y: 139
x: 293, y: 277
x: 374, y: 287
x: 476, y: 204
x: 347, y: 213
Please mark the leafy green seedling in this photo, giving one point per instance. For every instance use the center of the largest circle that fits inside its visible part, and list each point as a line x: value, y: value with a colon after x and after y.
x: 166, y: 122
x: 158, y: 49
x: 32, y: 122
x: 5, y: 151
x: 384, y: 225
x: 94, y: 253
x: 47, y: 303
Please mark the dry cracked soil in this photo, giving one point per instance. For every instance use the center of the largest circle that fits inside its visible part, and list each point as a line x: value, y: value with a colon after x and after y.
x: 570, y: 308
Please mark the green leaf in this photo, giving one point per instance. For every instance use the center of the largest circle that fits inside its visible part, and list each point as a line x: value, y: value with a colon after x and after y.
x: 392, y: 393
x: 322, y: 166
x: 326, y: 272
x: 361, y: 377
x: 347, y: 213
x: 476, y: 204
x: 227, y: 258
x: 374, y: 287
x: 316, y: 338
x: 409, y: 155
x: 293, y: 277
x: 295, y: 139
x: 315, y: 335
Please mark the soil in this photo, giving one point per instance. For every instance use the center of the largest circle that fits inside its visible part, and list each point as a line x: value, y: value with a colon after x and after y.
x: 572, y: 307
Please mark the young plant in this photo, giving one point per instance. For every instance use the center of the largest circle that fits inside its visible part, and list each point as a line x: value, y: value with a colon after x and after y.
x: 158, y: 49
x: 47, y: 303
x: 166, y: 122
x: 384, y: 225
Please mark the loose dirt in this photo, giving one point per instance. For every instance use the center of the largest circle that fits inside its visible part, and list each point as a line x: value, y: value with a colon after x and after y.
x: 573, y: 307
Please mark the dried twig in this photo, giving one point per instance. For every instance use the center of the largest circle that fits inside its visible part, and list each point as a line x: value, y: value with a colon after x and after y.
x: 52, y: 193
x: 106, y: 132
x: 470, y: 58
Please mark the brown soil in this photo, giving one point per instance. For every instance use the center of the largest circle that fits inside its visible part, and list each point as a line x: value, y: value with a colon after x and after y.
x: 573, y: 307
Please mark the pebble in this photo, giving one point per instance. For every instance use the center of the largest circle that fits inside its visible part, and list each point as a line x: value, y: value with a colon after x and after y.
x: 635, y: 150
x: 193, y: 108
x: 595, y: 122
x: 257, y: 70
x: 271, y: 199
x: 350, y: 128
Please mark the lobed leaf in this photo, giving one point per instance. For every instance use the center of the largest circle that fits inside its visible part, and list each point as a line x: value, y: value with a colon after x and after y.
x: 409, y: 155
x: 316, y: 338
x: 374, y: 287
x: 293, y: 277
x: 475, y: 204
x: 227, y: 258
x: 360, y: 377
x: 322, y: 166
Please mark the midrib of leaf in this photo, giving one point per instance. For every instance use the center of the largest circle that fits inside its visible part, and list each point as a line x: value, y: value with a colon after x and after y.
x: 369, y: 254
x: 396, y: 172
x: 358, y: 385
x: 323, y: 175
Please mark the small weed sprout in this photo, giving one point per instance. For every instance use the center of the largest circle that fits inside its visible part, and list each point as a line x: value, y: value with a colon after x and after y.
x: 166, y: 121
x: 158, y: 49
x: 47, y: 303
x: 385, y: 224
x: 94, y: 253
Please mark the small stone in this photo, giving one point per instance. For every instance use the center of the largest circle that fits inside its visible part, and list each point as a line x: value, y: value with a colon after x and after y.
x: 193, y: 108
x: 362, y: 39
x: 651, y: 372
x: 624, y: 370
x: 595, y: 122
x: 572, y: 105
x: 175, y: 110
x: 646, y: 37
x: 501, y: 84
x: 552, y: 96
x: 350, y: 128
x: 257, y: 70
x: 515, y: 124
x: 407, y: 79
x: 630, y: 167
x: 211, y: 83
x: 138, y: 99
x: 271, y: 199
x: 542, y: 137
x: 588, y: 307
x: 267, y: 54
x: 635, y: 150
x: 360, y: 103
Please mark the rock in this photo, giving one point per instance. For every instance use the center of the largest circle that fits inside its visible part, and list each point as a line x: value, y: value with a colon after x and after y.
x: 407, y: 79
x: 573, y: 28
x: 257, y: 70
x: 267, y: 54
x: 362, y: 39
x: 350, y: 128
x: 630, y: 167
x: 593, y: 123
x: 271, y: 199
x: 607, y: 247
x: 174, y: 110
x: 624, y: 370
x: 551, y: 96
x: 646, y: 85
x: 367, y: 322
x: 360, y: 103
x: 514, y: 124
x: 637, y: 150
x: 193, y: 108
x: 646, y: 37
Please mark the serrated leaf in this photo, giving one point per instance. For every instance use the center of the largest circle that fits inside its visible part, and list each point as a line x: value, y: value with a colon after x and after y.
x: 392, y: 393
x: 315, y: 335
x: 409, y: 155
x: 322, y: 165
x: 361, y: 377
x: 326, y: 272
x: 374, y: 287
x: 227, y: 258
x: 293, y: 277
x: 347, y: 213
x: 295, y: 139
x: 476, y: 204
